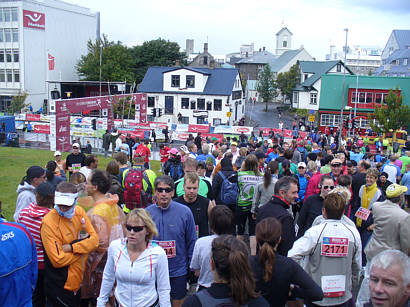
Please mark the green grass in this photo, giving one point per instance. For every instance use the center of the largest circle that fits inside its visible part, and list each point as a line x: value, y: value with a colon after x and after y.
x: 13, y: 165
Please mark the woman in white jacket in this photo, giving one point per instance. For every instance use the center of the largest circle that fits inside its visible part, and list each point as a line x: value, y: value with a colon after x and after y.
x: 140, y: 270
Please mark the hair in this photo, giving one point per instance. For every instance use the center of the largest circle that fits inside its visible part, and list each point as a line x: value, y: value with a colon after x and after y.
x: 230, y: 257
x: 190, y: 162
x: 89, y: 159
x: 205, y: 149
x: 271, y: 169
x: 268, y: 233
x: 243, y: 151
x: 191, y: 177
x: 66, y: 187
x: 365, y: 164
x: 343, y: 191
x: 344, y: 181
x: 325, y: 177
x: 121, y: 157
x: 251, y: 164
x: 215, y: 153
x: 113, y: 168
x: 312, y: 166
x: 393, y: 158
x: 101, y: 179
x: 221, y: 220
x: 373, y: 172
x: 288, y: 154
x: 45, y: 201
x: 328, y: 159
x: 165, y: 180
x: 191, y: 147
x: 284, y: 183
x: 50, y: 169
x: 390, y: 257
x: 334, y: 205
x: 201, y: 165
x: 146, y: 218
x: 77, y: 178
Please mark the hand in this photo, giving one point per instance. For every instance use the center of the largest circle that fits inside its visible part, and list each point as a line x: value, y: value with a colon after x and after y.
x: 254, y: 216
x: 371, y: 227
x: 291, y: 287
x: 67, y: 248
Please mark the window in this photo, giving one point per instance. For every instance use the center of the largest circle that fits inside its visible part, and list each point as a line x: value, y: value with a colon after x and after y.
x: 14, y: 14
x: 284, y: 44
x: 326, y: 120
x: 209, y: 105
x: 1, y: 35
x: 362, y: 97
x: 5, y: 102
x: 296, y: 97
x: 201, y: 104
x: 15, y: 35
x: 169, y: 104
x: 184, y: 120
x: 9, y: 75
x: 2, y: 75
x: 193, y: 104
x: 190, y: 81
x: 16, y: 75
x: 200, y: 120
x: 7, y: 14
x: 1, y: 56
x: 405, y: 61
x: 236, y: 95
x: 7, y: 35
x: 354, y: 97
x: 8, y: 55
x: 305, y: 77
x: 313, y: 98
x: 175, y: 81
x: 184, y: 103
x: 339, y: 67
x: 217, y: 121
x: 151, y: 102
x: 205, y: 60
x: 217, y: 104
x: 369, y: 97
x: 15, y: 55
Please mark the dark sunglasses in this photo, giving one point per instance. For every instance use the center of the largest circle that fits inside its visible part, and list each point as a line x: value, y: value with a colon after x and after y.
x: 336, y: 165
x: 329, y: 187
x: 134, y: 228
x: 75, y: 148
x: 167, y: 190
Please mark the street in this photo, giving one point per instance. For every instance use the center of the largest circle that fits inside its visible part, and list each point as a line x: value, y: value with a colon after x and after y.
x: 257, y: 117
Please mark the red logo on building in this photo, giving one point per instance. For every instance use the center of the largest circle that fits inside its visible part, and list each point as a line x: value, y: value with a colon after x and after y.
x: 34, y: 20
x: 50, y: 62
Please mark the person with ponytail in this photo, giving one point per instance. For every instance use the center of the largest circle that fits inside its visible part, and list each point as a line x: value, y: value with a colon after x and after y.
x: 265, y: 189
x: 51, y: 174
x: 278, y: 278
x: 234, y: 283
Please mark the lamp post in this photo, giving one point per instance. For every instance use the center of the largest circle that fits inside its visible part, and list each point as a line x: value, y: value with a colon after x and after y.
x: 343, y: 92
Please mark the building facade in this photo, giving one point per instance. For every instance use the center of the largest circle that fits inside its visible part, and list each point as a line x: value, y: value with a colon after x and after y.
x: 40, y: 41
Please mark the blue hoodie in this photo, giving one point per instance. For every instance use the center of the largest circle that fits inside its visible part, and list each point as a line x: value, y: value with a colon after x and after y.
x: 176, y: 227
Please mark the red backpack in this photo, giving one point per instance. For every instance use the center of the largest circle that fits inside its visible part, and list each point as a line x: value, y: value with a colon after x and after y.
x: 134, y: 194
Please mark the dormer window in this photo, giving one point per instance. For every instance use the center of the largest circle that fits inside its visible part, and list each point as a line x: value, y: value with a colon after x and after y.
x: 339, y: 67
x: 175, y: 80
x: 190, y: 81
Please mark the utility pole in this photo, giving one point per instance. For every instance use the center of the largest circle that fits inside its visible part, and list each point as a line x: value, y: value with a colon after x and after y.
x: 343, y: 93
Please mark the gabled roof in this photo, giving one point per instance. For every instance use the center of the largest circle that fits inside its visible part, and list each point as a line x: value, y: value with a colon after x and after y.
x: 317, y: 68
x: 261, y: 57
x: 284, y: 59
x: 403, y: 38
x: 220, y: 80
x: 284, y: 29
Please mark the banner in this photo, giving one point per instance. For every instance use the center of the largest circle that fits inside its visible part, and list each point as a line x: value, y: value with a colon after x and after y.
x: 50, y: 62
x: 34, y: 20
x: 42, y: 128
x: 33, y: 117
x: 198, y: 128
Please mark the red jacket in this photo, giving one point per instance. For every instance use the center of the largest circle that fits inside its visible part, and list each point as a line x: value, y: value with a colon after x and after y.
x: 313, y: 185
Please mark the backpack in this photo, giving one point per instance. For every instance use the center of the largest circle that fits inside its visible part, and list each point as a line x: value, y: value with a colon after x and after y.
x: 175, y: 171
x: 206, y: 299
x: 229, y: 190
x: 134, y: 194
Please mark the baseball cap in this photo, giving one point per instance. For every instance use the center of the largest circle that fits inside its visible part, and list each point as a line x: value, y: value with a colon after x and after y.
x: 336, y: 161
x: 76, y: 145
x: 184, y: 149
x: 234, y: 144
x: 173, y: 151
x: 57, y: 153
x: 260, y: 155
x: 34, y: 172
x: 45, y: 189
x: 302, y: 164
x: 395, y: 190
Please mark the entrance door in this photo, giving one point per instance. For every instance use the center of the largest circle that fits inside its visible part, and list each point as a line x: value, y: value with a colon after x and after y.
x: 169, y: 104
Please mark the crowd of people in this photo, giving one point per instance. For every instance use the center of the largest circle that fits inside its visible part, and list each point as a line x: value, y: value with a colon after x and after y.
x: 238, y: 222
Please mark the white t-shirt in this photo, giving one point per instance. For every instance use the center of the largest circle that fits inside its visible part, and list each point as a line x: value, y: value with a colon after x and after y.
x: 391, y: 172
x: 200, y: 260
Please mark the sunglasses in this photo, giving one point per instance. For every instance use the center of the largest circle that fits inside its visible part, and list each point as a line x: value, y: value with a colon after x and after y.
x: 337, y: 165
x: 167, y: 190
x: 75, y: 148
x: 134, y: 228
x: 326, y: 187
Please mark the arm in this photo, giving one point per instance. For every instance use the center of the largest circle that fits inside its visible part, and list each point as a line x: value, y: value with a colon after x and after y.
x: 91, y: 243
x: 211, y: 205
x: 34, y: 270
x: 103, y: 231
x: 288, y: 228
x: 305, y: 286
x: 357, y: 262
x: 302, y: 218
x: 216, y: 186
x: 303, y: 246
x: 256, y: 200
x: 162, y: 278
x: 190, y: 235
x: 108, y: 280
x: 404, y: 233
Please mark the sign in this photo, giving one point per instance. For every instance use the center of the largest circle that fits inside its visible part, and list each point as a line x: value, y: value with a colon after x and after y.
x: 34, y: 20
x: 362, y: 213
x: 228, y: 114
x: 198, y: 128
x: 50, y: 62
x: 42, y: 128
x: 311, y: 118
x: 333, y: 285
x: 33, y: 117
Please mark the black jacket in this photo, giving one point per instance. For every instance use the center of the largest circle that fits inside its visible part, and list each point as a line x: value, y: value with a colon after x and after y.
x: 277, y: 208
x: 311, y: 208
x: 358, y: 180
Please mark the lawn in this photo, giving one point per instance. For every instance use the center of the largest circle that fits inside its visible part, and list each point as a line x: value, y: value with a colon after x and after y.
x: 13, y: 165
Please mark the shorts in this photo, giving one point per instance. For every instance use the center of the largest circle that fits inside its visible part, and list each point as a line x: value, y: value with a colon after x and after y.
x: 178, y: 287
x: 241, y: 217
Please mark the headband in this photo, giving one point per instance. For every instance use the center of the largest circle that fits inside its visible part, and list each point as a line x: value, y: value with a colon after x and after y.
x: 66, y: 199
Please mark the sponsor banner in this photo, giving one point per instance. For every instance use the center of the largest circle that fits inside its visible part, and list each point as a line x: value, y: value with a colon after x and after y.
x: 134, y: 133
x: 42, y: 128
x: 242, y: 129
x: 223, y: 129
x: 83, y: 132
x: 50, y: 62
x: 179, y: 136
x: 198, y: 128
x: 19, y: 124
x: 21, y: 116
x: 154, y: 125
x: 181, y: 128
x: 33, y: 117
x: 34, y: 20
x: 45, y: 118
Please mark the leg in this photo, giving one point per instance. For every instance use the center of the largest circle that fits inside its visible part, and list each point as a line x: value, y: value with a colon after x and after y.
x: 178, y: 290
x: 252, y: 238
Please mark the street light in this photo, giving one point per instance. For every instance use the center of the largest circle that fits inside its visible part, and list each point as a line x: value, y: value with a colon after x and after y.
x: 343, y: 92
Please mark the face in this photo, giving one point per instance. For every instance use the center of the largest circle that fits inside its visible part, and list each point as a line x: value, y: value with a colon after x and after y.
x: 64, y: 208
x: 94, y: 164
x: 387, y: 288
x: 194, y: 148
x: 342, y: 157
x: 163, y: 194
x: 76, y: 150
x: 191, y: 190
x: 383, y: 179
x: 301, y: 170
x: 201, y: 172
x: 370, y: 180
x: 351, y: 170
x: 261, y: 161
x: 189, y: 169
x: 326, y: 187
x: 291, y: 195
x: 36, y: 181
x: 91, y: 189
x: 58, y: 158
x: 134, y: 236
x: 285, y: 146
x: 233, y: 148
x: 336, y: 168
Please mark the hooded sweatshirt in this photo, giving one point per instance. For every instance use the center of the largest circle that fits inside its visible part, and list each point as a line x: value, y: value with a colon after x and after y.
x: 25, y: 197
x: 31, y: 217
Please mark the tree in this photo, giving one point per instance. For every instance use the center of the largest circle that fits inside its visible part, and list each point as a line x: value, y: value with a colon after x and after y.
x: 266, y: 86
x: 159, y: 52
x: 18, y: 103
x: 117, y: 63
x: 122, y: 107
x: 391, y: 115
x: 287, y: 81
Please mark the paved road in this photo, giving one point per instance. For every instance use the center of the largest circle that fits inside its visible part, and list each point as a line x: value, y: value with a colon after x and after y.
x: 258, y: 117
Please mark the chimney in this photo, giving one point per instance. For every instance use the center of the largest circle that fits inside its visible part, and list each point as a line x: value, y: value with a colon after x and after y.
x: 246, y: 53
x: 205, y: 47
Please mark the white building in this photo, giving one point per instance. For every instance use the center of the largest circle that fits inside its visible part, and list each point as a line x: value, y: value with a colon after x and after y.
x: 39, y: 41
x: 200, y: 95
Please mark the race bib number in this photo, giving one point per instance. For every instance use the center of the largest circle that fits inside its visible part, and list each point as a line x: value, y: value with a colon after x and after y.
x: 333, y: 285
x: 335, y: 247
x: 362, y: 213
x: 168, y: 246
x: 76, y: 166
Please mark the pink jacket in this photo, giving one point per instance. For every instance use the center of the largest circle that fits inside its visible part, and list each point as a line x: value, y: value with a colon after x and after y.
x: 313, y: 185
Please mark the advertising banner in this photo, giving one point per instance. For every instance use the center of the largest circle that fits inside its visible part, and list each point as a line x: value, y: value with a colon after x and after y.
x: 42, y: 128
x: 33, y: 117
x: 34, y: 20
x: 198, y: 128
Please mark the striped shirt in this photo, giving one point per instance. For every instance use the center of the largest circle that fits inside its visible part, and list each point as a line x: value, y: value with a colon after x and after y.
x: 31, y: 217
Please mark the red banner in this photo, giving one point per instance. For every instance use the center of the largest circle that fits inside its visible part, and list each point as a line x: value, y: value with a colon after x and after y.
x: 42, y: 129
x: 198, y: 128
x: 33, y: 117
x: 34, y: 20
x: 133, y: 133
x: 50, y: 62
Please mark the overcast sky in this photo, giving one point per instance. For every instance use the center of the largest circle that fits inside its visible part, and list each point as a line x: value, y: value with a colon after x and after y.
x: 227, y: 24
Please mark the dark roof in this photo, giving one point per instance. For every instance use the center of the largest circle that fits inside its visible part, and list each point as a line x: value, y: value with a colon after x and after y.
x: 220, y: 80
x: 284, y: 28
x: 260, y: 57
x: 284, y: 59
x: 403, y: 38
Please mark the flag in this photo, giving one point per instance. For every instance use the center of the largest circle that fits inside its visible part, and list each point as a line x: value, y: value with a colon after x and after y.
x: 50, y: 62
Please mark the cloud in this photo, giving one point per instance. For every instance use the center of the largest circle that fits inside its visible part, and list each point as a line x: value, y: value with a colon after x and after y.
x: 401, y: 7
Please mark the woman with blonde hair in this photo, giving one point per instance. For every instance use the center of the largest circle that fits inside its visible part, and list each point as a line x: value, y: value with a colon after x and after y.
x: 139, y: 269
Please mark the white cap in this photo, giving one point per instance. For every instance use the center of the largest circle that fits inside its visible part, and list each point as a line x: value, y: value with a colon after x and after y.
x: 57, y: 153
x: 302, y: 164
x: 76, y: 145
x: 65, y: 199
